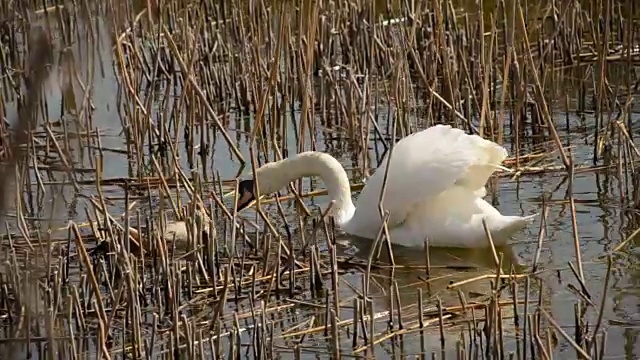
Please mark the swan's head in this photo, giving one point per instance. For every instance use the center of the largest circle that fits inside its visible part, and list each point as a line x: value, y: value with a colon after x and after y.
x: 274, y: 176
x: 271, y: 178
x: 246, y: 193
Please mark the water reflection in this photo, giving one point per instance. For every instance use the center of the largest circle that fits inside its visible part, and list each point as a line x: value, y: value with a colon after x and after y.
x: 447, y: 266
x: 455, y: 275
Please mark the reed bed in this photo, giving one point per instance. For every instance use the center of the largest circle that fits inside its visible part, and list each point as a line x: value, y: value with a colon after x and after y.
x: 121, y: 117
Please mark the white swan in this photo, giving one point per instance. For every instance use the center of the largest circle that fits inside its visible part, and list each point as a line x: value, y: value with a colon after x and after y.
x: 434, y: 190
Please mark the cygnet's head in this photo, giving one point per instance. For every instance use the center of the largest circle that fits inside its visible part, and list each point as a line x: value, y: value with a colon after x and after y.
x: 246, y: 193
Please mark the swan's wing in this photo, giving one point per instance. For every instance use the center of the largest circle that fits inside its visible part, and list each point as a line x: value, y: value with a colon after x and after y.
x: 424, y: 165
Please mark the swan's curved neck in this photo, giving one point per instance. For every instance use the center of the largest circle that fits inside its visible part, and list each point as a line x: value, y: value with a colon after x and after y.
x: 276, y: 175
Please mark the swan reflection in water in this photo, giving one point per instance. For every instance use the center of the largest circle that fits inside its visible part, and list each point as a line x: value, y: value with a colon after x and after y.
x: 447, y: 266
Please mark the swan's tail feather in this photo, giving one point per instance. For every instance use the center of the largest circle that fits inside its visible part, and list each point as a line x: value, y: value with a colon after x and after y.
x: 518, y: 222
x: 504, y: 168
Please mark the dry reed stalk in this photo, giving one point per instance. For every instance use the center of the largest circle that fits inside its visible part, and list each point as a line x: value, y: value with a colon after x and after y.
x: 348, y: 78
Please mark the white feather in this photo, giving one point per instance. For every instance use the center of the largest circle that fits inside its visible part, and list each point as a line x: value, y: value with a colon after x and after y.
x: 434, y: 190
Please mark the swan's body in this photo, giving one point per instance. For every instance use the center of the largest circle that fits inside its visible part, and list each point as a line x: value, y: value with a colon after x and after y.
x: 434, y: 190
x: 177, y: 232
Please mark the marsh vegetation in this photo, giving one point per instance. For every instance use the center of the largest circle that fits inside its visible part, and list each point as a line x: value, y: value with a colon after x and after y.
x: 120, y: 118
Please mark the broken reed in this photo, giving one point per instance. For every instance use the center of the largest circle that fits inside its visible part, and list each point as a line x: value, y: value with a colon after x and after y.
x: 199, y: 78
